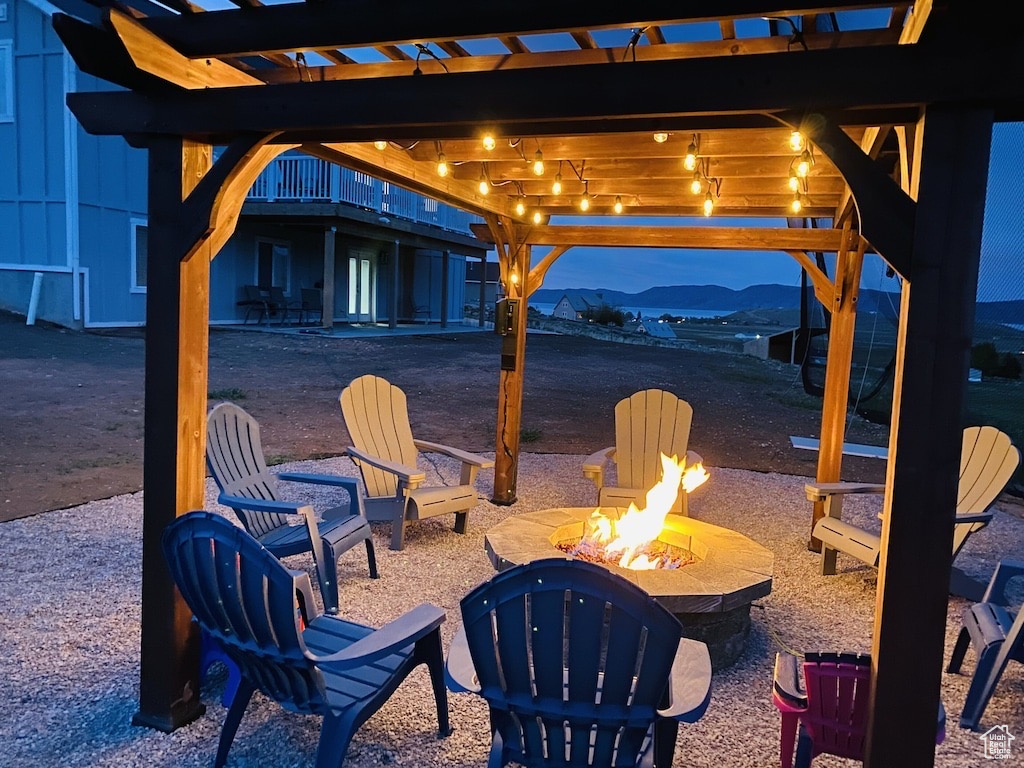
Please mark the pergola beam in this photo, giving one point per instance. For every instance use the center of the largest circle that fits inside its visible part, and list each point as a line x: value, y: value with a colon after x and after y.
x: 304, y: 26
x: 716, y: 238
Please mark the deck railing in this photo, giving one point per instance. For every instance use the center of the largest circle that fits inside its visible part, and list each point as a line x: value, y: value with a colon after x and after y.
x: 310, y: 179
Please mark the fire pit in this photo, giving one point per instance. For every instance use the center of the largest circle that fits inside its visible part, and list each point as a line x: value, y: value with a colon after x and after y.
x: 711, y: 595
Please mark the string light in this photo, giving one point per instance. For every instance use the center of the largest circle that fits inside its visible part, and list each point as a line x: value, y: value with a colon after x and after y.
x: 442, y: 164
x: 796, y: 204
x: 696, y: 185
x: 661, y: 137
x: 803, y: 166
x: 484, y: 186
x: 538, y: 163
x: 538, y: 217
x: 584, y: 203
x: 381, y: 145
x: 520, y: 207
x: 796, y: 141
x: 690, y: 161
x: 709, y: 203
x: 794, y: 181
x: 489, y: 142
x: 618, y: 204
x: 556, y: 186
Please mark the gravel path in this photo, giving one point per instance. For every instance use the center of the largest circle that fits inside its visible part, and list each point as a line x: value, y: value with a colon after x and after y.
x: 70, y: 587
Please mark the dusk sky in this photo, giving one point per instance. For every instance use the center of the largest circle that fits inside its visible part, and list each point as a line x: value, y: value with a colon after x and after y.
x: 635, y: 269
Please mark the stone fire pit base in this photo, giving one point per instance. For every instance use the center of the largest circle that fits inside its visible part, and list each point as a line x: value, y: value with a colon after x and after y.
x: 710, y: 597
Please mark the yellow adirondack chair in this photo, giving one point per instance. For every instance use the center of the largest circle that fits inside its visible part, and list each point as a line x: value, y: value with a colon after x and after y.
x: 647, y: 424
x: 377, y: 419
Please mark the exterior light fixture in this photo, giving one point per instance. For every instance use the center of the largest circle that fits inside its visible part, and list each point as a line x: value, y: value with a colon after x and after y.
x: 709, y: 203
x: 381, y: 145
x: 804, y: 164
x: 484, y: 186
x: 538, y: 217
x: 796, y: 204
x: 618, y: 204
x: 661, y: 137
x: 695, y: 185
x: 690, y: 160
x: 794, y: 181
x: 796, y: 141
x: 514, y: 277
x: 538, y: 163
x: 556, y: 186
x: 489, y: 142
x: 584, y: 203
x: 442, y: 164
x: 520, y: 207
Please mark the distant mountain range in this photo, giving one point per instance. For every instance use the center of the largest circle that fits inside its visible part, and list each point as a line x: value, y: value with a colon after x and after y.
x: 716, y: 297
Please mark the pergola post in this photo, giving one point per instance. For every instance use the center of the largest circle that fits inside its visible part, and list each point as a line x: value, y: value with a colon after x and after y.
x: 395, y: 272
x: 515, y: 267
x: 933, y: 351
x: 483, y: 290
x: 843, y: 308
x: 445, y: 258
x: 177, y: 345
x: 327, y: 292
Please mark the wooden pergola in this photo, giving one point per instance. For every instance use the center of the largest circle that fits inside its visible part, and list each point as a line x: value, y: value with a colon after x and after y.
x: 896, y: 121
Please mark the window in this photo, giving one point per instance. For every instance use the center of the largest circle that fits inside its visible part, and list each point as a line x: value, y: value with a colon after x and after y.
x: 273, y: 264
x: 140, y: 254
x: 6, y: 81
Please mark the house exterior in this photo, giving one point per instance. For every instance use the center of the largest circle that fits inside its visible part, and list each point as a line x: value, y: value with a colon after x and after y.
x: 73, y: 221
x: 655, y: 329
x: 575, y: 305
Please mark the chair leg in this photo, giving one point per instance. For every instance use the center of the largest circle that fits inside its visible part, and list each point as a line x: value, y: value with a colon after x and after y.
x: 828, y: 561
x: 335, y: 736
x: 398, y: 524
x: 461, y: 518
x: 230, y: 728
x: 983, y: 684
x: 963, y: 642
x: 371, y: 557
x: 429, y: 651
x: 665, y: 731
x: 787, y: 739
x: 804, y: 749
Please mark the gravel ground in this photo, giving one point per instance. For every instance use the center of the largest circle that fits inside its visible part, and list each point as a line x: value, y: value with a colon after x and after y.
x: 70, y: 640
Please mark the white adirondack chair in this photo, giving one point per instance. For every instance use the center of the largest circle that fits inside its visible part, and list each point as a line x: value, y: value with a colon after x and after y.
x: 386, y: 453
x: 987, y: 462
x: 647, y: 424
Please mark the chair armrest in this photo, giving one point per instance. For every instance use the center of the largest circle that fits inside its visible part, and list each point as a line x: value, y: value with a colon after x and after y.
x: 350, y: 484
x: 1005, y: 570
x: 689, y: 682
x: 304, y: 592
x: 692, y: 457
x: 821, y: 491
x: 408, y: 475
x: 260, y: 505
x: 393, y: 636
x: 459, y: 672
x: 593, y: 465
x: 464, y: 456
x: 786, y: 680
x: 973, y: 517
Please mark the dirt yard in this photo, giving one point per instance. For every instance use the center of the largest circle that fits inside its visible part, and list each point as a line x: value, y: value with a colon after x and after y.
x: 72, y: 422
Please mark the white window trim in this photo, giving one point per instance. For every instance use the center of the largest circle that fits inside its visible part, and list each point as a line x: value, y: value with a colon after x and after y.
x: 256, y: 261
x: 7, y: 55
x: 133, y: 223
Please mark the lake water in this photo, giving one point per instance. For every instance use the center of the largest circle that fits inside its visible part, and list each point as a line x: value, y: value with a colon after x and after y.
x: 652, y: 313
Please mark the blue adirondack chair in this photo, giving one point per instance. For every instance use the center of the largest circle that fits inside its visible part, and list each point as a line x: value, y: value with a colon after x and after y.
x: 235, y: 457
x: 254, y: 607
x: 578, y: 666
x: 996, y: 636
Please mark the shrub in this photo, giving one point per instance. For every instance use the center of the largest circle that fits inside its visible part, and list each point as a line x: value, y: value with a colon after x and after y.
x: 985, y: 358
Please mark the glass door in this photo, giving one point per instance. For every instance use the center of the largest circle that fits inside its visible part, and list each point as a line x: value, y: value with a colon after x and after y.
x: 360, y: 287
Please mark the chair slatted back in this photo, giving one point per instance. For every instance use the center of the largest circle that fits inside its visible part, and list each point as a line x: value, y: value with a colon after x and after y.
x: 988, y: 460
x: 838, y: 687
x: 235, y: 457
x: 377, y: 419
x: 245, y: 598
x: 647, y: 424
x: 577, y: 657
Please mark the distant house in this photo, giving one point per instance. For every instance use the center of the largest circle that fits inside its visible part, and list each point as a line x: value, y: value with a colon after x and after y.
x: 575, y: 305
x: 73, y: 218
x: 656, y: 329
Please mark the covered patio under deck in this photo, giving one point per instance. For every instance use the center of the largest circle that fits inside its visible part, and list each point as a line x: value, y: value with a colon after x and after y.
x: 894, y: 122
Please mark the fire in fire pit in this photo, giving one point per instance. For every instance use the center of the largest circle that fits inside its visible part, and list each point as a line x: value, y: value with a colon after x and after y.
x: 631, y: 541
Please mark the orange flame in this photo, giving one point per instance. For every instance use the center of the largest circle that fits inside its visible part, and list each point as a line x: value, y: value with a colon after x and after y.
x: 626, y: 537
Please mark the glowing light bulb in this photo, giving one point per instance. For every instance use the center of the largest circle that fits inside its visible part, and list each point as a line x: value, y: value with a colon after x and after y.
x: 661, y: 137
x: 556, y: 187
x: 804, y: 165
x: 690, y: 161
x: 537, y: 217
x: 618, y: 204
x: 484, y: 186
x: 538, y: 163
x: 520, y: 207
x: 794, y: 181
x: 514, y: 278
x: 709, y: 204
x: 442, y: 165
x: 797, y: 204
x: 796, y: 141
x: 695, y: 185
x: 381, y: 145
x: 489, y: 142
x: 584, y: 203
